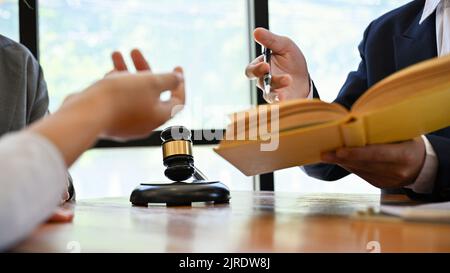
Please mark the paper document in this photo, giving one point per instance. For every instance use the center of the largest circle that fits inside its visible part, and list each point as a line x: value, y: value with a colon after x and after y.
x: 439, y: 212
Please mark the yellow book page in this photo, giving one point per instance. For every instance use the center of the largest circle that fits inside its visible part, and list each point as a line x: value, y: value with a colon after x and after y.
x: 412, y: 81
x: 410, y: 118
x: 410, y: 103
x: 290, y: 115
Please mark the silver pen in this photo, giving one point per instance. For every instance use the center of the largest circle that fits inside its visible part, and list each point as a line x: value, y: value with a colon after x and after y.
x: 269, y: 96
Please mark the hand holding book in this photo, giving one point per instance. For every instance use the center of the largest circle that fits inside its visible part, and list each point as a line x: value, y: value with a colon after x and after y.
x: 385, y: 166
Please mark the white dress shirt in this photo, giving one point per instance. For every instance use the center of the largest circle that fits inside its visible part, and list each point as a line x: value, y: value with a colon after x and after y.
x: 424, y: 184
x: 33, y: 178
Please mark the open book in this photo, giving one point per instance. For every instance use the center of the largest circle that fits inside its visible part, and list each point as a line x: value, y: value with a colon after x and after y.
x: 409, y: 103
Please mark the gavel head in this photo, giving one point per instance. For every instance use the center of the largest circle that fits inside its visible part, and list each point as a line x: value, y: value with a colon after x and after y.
x: 177, y: 153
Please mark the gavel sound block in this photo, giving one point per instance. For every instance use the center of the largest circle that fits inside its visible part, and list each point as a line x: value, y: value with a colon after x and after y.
x: 179, y: 162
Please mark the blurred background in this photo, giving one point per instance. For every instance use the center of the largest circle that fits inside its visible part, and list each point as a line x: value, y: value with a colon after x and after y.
x: 212, y: 41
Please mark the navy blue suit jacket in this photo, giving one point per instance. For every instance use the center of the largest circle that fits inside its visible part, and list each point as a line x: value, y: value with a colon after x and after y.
x: 391, y: 43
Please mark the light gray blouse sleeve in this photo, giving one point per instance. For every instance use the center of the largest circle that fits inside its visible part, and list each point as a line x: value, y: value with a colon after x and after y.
x: 33, y: 177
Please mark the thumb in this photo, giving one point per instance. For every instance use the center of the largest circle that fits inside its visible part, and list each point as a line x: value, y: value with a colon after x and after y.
x: 178, y: 96
x: 278, y: 44
x: 164, y: 82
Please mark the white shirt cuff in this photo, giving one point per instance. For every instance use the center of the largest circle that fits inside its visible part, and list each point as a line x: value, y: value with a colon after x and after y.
x: 424, y: 183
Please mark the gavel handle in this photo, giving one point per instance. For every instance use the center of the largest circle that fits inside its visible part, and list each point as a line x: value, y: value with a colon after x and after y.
x: 198, y: 175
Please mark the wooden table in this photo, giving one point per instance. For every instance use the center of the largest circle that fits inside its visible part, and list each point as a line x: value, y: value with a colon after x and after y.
x: 252, y: 222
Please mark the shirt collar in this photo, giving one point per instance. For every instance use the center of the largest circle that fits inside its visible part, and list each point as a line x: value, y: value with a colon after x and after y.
x: 430, y: 7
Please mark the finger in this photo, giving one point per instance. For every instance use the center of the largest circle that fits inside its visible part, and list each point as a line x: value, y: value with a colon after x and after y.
x: 332, y: 158
x: 177, y: 99
x: 366, y: 176
x: 378, y: 171
x: 139, y: 61
x: 119, y: 62
x: 385, y: 173
x: 372, y: 153
x: 178, y: 95
x: 258, y: 60
x: 257, y: 69
x: 278, y: 82
x: 163, y: 82
x: 380, y: 181
x: 278, y: 44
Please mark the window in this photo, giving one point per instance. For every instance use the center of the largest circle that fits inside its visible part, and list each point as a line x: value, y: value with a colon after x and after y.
x: 210, y: 39
x: 9, y: 19
x: 328, y: 32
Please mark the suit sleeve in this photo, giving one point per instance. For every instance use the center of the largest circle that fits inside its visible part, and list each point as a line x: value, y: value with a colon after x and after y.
x: 37, y: 93
x: 441, y: 146
x: 354, y: 87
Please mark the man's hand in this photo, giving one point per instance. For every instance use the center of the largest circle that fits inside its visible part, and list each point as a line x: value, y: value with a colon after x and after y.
x: 290, y: 78
x: 121, y: 107
x: 134, y: 102
x: 390, y: 166
x: 160, y: 83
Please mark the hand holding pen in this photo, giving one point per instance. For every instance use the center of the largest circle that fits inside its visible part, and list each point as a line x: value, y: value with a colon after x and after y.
x: 284, y: 68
